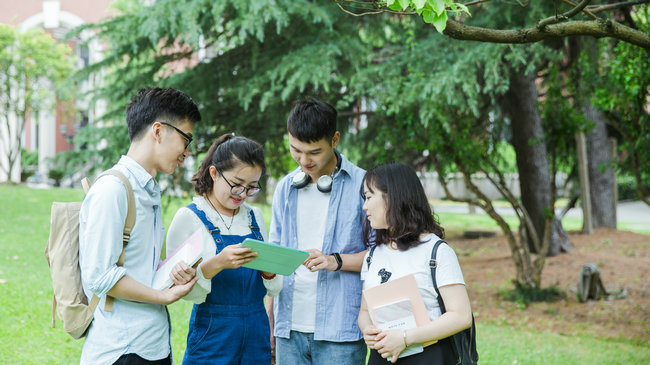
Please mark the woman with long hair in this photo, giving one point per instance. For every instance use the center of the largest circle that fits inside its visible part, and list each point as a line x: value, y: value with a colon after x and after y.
x: 229, y: 324
x: 401, y: 227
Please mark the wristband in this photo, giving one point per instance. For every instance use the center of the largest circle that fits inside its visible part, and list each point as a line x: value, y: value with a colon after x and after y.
x: 267, y: 277
x: 339, y: 261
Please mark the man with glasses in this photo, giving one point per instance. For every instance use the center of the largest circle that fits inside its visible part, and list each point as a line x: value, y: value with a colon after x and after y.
x: 135, y: 329
x: 318, y: 208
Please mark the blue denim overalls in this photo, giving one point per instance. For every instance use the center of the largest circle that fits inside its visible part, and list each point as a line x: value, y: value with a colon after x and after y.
x: 231, y: 326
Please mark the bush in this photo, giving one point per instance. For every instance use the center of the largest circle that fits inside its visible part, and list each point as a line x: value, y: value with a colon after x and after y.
x: 28, y: 163
x: 626, y: 186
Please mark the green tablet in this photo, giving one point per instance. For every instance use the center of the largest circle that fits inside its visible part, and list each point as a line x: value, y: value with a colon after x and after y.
x: 274, y: 258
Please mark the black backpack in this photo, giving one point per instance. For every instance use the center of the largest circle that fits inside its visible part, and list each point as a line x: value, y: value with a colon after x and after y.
x: 463, y: 342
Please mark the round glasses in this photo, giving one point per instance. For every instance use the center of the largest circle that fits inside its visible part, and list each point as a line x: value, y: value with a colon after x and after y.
x: 238, y: 189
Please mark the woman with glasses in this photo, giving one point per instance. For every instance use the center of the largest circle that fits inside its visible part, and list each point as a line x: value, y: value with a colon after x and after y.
x: 229, y: 324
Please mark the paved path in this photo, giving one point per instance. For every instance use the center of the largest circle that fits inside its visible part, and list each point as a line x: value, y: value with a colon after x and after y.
x: 629, y: 211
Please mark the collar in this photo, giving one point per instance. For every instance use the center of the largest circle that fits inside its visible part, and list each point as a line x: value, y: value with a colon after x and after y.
x: 141, y: 175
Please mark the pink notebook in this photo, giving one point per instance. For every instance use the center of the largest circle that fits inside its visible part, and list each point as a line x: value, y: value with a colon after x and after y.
x: 189, y: 251
x: 394, y: 291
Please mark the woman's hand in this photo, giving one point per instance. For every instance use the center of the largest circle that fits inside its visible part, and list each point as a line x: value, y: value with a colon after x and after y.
x: 233, y: 256
x: 390, y: 344
x: 319, y: 261
x: 369, y: 335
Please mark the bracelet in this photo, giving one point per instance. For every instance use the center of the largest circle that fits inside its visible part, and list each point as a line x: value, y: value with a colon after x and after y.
x: 268, y: 277
x: 404, y: 333
x: 339, y: 261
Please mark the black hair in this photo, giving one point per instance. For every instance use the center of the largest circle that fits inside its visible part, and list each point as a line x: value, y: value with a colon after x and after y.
x: 153, y: 104
x: 408, y: 213
x: 312, y: 120
x: 224, y: 154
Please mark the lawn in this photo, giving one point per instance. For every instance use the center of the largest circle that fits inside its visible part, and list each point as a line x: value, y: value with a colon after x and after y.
x: 26, y: 299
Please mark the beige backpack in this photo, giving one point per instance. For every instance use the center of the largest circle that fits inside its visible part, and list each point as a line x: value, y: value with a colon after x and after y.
x: 62, y: 254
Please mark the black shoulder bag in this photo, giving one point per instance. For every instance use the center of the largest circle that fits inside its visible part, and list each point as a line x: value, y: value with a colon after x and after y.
x: 463, y: 342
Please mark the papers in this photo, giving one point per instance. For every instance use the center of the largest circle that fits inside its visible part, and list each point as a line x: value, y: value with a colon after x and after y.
x: 274, y: 258
x: 189, y: 251
x: 397, y: 316
x: 395, y: 291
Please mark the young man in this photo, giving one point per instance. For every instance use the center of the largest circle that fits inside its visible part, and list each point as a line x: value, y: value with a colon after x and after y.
x: 318, y: 208
x: 136, y: 330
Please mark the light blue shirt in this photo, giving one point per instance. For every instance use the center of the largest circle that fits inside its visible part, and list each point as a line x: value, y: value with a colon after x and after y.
x: 338, y: 292
x: 141, y: 328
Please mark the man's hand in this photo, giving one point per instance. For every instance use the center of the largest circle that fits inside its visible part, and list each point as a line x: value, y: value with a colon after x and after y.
x: 182, y: 273
x: 319, y: 261
x: 176, y: 292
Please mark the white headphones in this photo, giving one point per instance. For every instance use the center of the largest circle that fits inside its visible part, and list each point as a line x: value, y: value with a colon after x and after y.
x: 324, y: 183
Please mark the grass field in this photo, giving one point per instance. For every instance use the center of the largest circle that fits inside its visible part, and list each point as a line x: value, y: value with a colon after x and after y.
x: 26, y: 299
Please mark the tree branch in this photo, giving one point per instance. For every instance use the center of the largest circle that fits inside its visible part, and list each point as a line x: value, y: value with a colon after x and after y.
x: 596, y: 28
x: 599, y: 8
x: 567, y: 15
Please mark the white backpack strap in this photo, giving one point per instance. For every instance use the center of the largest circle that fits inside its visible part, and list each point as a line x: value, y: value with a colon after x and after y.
x: 128, y: 227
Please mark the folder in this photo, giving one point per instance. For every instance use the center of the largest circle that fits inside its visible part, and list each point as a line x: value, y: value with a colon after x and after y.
x: 396, y: 291
x: 274, y: 258
x: 190, y: 251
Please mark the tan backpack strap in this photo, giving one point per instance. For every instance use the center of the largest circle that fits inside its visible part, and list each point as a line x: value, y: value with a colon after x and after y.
x: 128, y: 225
x: 85, y: 182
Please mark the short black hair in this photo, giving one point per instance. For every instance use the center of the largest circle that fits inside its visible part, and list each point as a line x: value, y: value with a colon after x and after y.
x: 153, y: 103
x: 312, y: 120
x: 408, y: 213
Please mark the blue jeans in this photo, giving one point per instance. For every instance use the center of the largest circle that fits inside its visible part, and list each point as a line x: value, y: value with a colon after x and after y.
x: 301, y: 348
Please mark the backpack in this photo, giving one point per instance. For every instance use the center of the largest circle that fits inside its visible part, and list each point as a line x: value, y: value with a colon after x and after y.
x: 463, y: 342
x: 62, y: 255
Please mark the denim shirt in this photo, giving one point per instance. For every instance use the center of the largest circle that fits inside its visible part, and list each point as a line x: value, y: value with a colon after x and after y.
x: 339, y: 292
x: 132, y: 327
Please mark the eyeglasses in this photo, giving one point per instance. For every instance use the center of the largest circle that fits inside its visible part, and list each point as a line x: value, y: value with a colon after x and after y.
x: 238, y: 189
x: 188, y: 138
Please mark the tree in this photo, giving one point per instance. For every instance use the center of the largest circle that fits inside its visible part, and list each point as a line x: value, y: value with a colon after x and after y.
x: 34, y: 69
x: 556, y: 26
x: 257, y: 57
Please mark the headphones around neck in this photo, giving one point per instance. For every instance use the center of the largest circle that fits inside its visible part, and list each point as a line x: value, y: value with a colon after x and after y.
x: 324, y: 183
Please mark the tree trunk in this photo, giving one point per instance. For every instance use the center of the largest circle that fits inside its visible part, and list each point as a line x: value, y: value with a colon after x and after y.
x: 601, y: 175
x: 532, y: 159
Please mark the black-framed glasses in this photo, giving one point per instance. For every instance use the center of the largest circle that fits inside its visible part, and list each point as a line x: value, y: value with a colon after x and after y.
x: 238, y: 189
x: 188, y: 138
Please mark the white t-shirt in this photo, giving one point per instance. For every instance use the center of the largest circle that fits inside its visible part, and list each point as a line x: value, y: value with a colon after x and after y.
x: 393, y: 264
x: 311, y: 217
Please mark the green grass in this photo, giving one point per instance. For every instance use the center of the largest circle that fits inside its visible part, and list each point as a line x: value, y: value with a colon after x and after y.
x: 26, y: 298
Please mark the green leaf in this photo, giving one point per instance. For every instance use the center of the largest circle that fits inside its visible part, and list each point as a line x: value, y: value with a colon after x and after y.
x: 395, y: 6
x: 440, y: 22
x: 419, y: 4
x: 438, y: 6
x: 428, y: 17
x: 404, y: 3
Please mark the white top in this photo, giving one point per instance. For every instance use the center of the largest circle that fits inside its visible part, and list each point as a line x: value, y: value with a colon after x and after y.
x: 415, y: 261
x: 310, y: 227
x: 185, y: 223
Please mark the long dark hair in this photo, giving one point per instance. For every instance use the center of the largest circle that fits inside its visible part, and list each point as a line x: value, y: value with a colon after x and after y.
x: 408, y: 213
x: 224, y: 154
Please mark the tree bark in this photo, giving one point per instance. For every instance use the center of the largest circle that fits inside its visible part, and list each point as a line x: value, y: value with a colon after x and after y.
x: 601, y: 175
x: 532, y: 160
